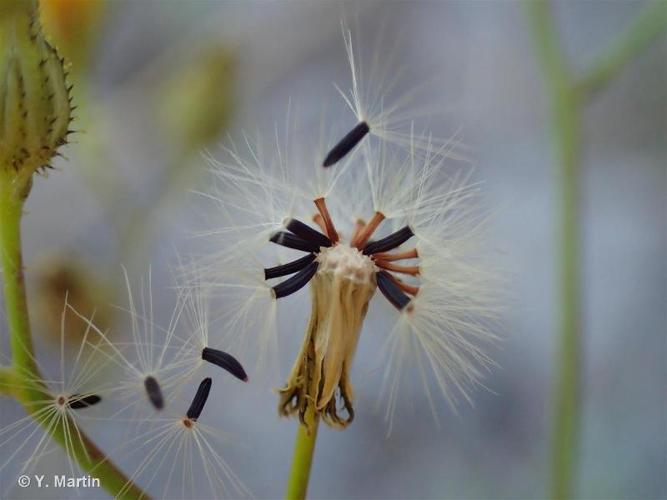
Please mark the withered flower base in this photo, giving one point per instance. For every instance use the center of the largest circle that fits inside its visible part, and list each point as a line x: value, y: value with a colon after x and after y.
x: 343, y: 277
x: 340, y: 290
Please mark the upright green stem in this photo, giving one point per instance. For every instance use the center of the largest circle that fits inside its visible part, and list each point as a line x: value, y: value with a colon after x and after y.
x: 26, y: 380
x: 567, y: 97
x: 304, y: 446
x: 564, y: 101
x: 567, y: 408
x: 11, y: 206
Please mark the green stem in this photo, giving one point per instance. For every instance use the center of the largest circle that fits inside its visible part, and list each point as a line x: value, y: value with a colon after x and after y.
x: 304, y: 446
x: 28, y: 387
x: 650, y: 24
x: 567, y: 407
x: 565, y: 113
x: 11, y: 207
x: 567, y: 98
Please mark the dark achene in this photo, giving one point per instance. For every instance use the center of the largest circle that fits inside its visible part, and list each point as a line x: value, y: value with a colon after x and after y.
x: 225, y: 361
x: 199, y: 400
x: 77, y: 402
x: 154, y: 392
x: 346, y: 144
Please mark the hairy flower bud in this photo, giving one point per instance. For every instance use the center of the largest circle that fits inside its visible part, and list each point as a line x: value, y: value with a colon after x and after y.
x: 35, y: 107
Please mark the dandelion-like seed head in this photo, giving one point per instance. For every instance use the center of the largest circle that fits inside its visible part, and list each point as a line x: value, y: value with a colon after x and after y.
x: 395, y: 220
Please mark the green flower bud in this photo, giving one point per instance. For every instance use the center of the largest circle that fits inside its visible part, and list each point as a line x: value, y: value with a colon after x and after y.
x: 35, y: 104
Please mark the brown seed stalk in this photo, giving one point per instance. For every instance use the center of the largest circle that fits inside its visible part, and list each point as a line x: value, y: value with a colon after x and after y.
x: 368, y: 230
x: 319, y: 220
x: 389, y: 257
x: 411, y: 270
x: 330, y: 229
x: 358, y: 227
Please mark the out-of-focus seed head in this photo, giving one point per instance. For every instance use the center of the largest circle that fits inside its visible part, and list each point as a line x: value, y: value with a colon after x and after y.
x: 58, y: 277
x: 35, y: 106
x: 197, y: 101
x: 73, y: 25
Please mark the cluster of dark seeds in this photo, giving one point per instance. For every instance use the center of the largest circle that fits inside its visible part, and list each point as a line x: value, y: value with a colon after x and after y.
x: 299, y: 236
x: 215, y: 356
x: 154, y: 392
x: 391, y: 287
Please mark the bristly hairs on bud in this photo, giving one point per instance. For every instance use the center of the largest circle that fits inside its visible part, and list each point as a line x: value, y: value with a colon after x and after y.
x: 36, y: 108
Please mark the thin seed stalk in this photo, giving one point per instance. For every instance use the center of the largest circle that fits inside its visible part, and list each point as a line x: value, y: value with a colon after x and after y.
x: 26, y: 380
x: 304, y: 447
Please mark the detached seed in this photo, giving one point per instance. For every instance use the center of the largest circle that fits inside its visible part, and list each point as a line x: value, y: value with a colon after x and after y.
x: 154, y: 392
x: 76, y: 402
x: 225, y: 361
x: 346, y: 144
x: 200, y: 399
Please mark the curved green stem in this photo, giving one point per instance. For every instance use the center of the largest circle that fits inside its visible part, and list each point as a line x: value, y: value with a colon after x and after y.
x: 26, y: 383
x: 304, y: 446
x: 649, y: 25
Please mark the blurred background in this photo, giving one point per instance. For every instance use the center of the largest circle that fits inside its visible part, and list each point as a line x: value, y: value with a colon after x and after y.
x: 156, y: 83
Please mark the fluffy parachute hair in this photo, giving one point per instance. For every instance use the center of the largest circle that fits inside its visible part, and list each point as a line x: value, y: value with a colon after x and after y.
x: 404, y: 190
